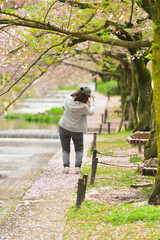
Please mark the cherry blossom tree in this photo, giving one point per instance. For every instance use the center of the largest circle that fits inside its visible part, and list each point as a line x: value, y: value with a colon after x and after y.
x: 38, y: 34
x: 46, y: 30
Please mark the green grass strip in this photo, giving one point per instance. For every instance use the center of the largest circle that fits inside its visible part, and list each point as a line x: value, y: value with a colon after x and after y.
x: 143, y: 213
x: 50, y: 116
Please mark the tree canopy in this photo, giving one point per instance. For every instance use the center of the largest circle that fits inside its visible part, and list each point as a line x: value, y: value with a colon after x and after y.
x: 38, y: 34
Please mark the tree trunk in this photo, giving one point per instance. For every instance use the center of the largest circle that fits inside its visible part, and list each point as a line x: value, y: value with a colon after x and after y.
x: 134, y: 100
x: 124, y: 89
x: 145, y: 95
x: 129, y: 91
x: 155, y: 196
x: 151, y: 145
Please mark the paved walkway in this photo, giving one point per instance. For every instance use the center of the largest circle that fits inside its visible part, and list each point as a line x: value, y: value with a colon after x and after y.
x: 41, y: 212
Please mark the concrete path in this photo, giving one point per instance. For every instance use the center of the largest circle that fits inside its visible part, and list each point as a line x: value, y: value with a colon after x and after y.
x: 41, y: 211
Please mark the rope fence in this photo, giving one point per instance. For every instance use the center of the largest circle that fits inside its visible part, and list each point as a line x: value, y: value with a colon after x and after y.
x: 114, y: 165
x: 82, y: 182
x: 108, y: 155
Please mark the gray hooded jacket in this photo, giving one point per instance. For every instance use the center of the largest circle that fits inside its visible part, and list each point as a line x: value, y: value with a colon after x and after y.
x: 75, y: 113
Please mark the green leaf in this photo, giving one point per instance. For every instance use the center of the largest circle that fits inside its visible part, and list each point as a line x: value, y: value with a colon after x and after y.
x: 149, y: 56
x: 155, y: 45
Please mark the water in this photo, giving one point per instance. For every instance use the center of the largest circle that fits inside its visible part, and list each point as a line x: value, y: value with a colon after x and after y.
x: 19, y: 156
x: 26, y: 147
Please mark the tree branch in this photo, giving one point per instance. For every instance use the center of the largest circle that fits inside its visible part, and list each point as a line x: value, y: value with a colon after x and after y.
x: 33, y: 64
x: 116, y: 55
x: 16, y: 49
x: 88, y: 20
x: 80, y: 5
x: 119, y: 56
x: 147, y: 5
x: 40, y: 25
x: 143, y: 19
x: 81, y: 35
x: 120, y: 32
x: 70, y: 15
x: 21, y: 93
x: 11, y: 35
x: 5, y: 26
x: 93, y: 71
x: 49, y: 10
x: 132, y: 8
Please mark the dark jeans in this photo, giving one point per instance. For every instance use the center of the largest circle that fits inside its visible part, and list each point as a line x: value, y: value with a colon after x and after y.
x: 65, y: 137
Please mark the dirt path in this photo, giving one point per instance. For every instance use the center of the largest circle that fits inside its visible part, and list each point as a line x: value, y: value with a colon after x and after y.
x: 40, y: 213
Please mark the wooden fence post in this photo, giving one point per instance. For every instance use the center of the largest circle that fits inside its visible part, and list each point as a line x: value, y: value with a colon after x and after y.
x: 100, y: 128
x: 94, y: 142
x: 79, y: 193
x: 85, y: 177
x: 94, y: 168
x: 102, y: 117
x: 109, y: 127
x: 93, y: 157
x: 105, y: 115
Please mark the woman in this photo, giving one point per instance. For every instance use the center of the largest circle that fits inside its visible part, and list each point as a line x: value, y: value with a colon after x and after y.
x: 73, y: 124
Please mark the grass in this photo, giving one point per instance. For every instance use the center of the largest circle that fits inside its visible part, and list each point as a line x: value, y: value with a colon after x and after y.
x: 108, y: 143
x: 143, y: 213
x: 115, y: 219
x: 115, y: 176
x: 55, y: 111
x: 50, y: 116
x: 135, y: 159
x: 103, y: 221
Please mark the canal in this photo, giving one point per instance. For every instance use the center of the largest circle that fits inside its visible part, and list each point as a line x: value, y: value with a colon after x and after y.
x: 25, y: 149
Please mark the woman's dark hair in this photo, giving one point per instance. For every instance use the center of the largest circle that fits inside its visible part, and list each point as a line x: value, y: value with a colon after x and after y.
x: 80, y: 96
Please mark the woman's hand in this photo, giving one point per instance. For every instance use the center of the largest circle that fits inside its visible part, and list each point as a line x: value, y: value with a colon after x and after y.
x: 91, y: 99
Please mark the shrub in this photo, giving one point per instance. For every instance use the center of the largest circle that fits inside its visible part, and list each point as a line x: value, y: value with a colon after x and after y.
x: 55, y: 111
x: 107, y: 87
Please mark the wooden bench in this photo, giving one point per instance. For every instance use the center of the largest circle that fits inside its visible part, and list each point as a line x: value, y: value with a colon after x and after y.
x: 148, y: 167
x: 139, y: 138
